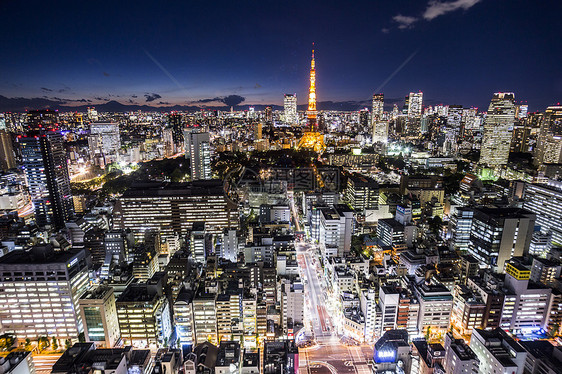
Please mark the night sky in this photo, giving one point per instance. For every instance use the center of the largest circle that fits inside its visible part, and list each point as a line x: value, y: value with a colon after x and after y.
x: 162, y: 53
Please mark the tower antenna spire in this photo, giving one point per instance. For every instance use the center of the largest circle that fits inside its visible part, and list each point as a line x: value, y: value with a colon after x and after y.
x: 312, y: 139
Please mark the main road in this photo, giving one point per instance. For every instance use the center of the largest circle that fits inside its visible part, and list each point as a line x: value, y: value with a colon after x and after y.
x: 328, y: 354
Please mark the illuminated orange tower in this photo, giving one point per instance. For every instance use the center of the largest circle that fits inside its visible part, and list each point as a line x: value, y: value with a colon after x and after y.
x: 312, y: 95
x: 311, y: 138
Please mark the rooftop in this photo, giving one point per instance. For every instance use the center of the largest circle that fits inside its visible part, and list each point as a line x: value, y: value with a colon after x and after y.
x: 229, y: 353
x: 156, y: 189
x: 41, y: 254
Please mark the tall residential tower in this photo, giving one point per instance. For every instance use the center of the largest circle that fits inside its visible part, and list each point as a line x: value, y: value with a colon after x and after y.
x: 198, y: 150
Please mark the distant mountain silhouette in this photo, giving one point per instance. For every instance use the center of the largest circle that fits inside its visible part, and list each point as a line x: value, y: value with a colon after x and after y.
x: 21, y: 104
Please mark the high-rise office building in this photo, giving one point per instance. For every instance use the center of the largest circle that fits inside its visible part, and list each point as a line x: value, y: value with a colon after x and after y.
x: 549, y: 141
x: 498, y: 128
x: 168, y: 140
x: 498, y: 234
x: 7, y: 160
x: 39, y: 292
x: 198, y: 150
x: 175, y: 120
x: 521, y: 136
x: 104, y: 141
x: 92, y: 114
x: 545, y: 201
x: 415, y: 104
x: 44, y: 161
x: 526, y: 303
x: 454, y: 116
x: 290, y: 106
x: 336, y: 228
x: 258, y: 131
x: 292, y: 302
x: 362, y: 193
x: 521, y: 111
x: 364, y: 120
x: 380, y: 132
x: 461, y: 225
x: 436, y: 304
x: 172, y: 208
x: 378, y: 107
x: 183, y: 317
x: 268, y: 114
x: 229, y: 246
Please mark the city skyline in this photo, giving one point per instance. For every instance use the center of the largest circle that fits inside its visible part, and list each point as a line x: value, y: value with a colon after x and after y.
x: 280, y: 188
x: 92, y: 56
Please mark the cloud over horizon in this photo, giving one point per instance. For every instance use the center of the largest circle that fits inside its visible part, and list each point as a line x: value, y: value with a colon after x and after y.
x: 434, y: 9
x: 230, y: 100
x: 151, y: 97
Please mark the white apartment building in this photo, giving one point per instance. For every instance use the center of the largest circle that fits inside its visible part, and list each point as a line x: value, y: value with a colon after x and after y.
x: 205, y: 318
x: 292, y: 301
x: 336, y: 229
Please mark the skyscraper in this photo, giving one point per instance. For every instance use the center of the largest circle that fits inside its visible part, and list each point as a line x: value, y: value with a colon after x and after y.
x: 549, y: 142
x: 378, y: 107
x: 498, y: 127
x: 268, y: 114
x: 168, y: 140
x: 290, y: 103
x: 44, y: 161
x: 454, y: 116
x: 545, y: 201
x: 175, y: 121
x: 364, y: 120
x: 380, y: 132
x: 7, y: 160
x: 415, y: 104
x: 198, y: 148
x: 258, y: 130
x: 105, y: 141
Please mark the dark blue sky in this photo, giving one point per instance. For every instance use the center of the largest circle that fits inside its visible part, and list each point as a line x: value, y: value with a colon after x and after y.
x: 185, y: 51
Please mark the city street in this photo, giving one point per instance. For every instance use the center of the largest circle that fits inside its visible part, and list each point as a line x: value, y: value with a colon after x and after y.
x: 329, y: 354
